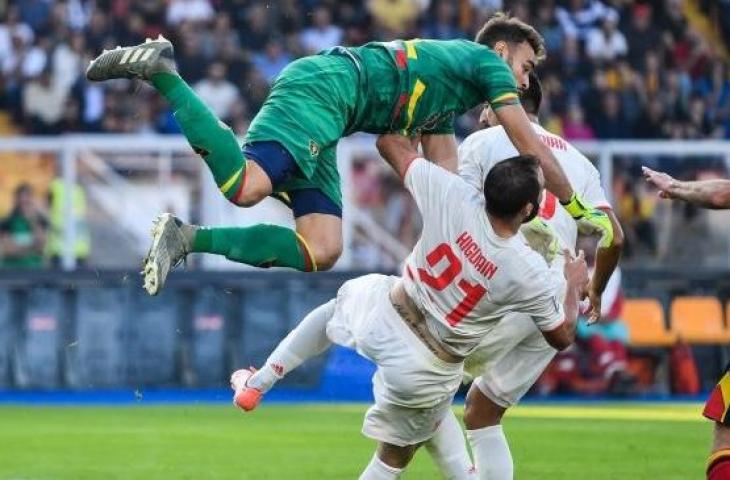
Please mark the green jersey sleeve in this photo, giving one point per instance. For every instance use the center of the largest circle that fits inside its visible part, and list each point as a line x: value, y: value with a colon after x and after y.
x: 496, y: 80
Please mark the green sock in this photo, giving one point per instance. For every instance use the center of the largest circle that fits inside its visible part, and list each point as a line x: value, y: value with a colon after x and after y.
x: 263, y: 245
x: 208, y: 136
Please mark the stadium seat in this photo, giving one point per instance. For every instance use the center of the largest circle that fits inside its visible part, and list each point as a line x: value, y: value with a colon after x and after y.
x: 645, y: 320
x: 698, y: 320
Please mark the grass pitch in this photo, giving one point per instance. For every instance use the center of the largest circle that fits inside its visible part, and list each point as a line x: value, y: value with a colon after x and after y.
x: 321, y: 442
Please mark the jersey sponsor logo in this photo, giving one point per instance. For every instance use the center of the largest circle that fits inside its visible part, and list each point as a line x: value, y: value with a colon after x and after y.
x: 313, y: 148
x: 474, y: 255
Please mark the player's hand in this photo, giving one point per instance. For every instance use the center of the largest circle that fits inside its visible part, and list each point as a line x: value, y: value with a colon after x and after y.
x: 594, y: 309
x: 542, y: 238
x: 576, y: 270
x: 590, y: 220
x: 659, y: 180
x: 398, y: 150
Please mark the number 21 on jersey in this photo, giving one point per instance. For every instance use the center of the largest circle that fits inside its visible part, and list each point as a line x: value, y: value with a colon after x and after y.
x: 473, y: 293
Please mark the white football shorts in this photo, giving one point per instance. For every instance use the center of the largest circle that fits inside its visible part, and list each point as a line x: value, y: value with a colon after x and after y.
x: 413, y: 388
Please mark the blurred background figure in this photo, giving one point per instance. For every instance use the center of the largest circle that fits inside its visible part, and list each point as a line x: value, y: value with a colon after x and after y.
x: 23, y: 232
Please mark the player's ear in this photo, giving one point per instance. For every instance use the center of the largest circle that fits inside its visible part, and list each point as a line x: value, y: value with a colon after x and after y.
x: 502, y: 49
x: 527, y: 212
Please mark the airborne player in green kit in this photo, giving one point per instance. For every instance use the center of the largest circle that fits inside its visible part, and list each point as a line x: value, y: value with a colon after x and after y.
x: 413, y: 87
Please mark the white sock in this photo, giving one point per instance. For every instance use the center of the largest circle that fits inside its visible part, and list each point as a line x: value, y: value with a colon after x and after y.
x: 448, y: 449
x: 377, y: 470
x: 491, y: 453
x: 307, y: 340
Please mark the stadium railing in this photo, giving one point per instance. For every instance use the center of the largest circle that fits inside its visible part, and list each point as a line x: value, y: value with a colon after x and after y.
x: 114, y: 161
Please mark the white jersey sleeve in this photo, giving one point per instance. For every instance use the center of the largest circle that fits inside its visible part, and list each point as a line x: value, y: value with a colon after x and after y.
x: 431, y: 187
x: 545, y: 305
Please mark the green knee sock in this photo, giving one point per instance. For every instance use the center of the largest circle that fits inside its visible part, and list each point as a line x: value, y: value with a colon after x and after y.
x: 261, y: 245
x: 208, y: 136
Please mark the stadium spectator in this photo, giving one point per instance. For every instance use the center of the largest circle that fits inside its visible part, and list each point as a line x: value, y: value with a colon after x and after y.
x: 23, y: 232
x: 642, y: 35
x: 43, y: 103
x: 651, y: 123
x: 322, y: 34
x: 272, y: 61
x: 58, y: 222
x: 610, y: 123
x: 393, y: 18
x: 256, y: 26
x: 574, y: 125
x: 549, y: 27
x: 442, y: 23
x: 179, y: 11
x: 580, y: 16
x: 35, y: 13
x: 68, y: 60
x: 14, y: 28
x: 222, y: 38
x: 217, y: 92
x: 606, y: 43
x: 635, y: 209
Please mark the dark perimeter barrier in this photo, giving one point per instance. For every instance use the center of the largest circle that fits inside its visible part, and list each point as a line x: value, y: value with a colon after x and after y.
x: 90, y: 330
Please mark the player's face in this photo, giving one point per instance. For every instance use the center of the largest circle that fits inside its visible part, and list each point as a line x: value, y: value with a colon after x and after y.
x: 488, y: 118
x: 522, y: 59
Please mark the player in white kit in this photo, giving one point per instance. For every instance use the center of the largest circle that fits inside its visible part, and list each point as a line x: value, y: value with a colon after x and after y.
x: 509, y: 360
x: 468, y: 270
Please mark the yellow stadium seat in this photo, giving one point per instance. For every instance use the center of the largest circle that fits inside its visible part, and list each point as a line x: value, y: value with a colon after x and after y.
x: 645, y: 319
x: 699, y: 320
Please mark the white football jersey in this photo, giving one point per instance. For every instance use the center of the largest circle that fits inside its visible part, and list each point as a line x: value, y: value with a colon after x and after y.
x: 481, y: 150
x: 461, y: 274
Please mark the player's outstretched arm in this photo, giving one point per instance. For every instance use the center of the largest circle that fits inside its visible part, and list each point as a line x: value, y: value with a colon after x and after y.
x: 442, y: 150
x: 398, y: 151
x: 606, y: 261
x: 705, y: 193
x: 576, y: 278
x: 517, y: 126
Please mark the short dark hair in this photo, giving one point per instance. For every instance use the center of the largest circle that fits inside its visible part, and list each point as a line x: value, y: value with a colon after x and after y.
x: 503, y: 28
x: 532, y: 97
x: 510, y: 185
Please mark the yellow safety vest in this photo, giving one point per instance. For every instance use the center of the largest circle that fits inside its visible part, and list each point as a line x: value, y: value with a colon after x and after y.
x: 58, y: 219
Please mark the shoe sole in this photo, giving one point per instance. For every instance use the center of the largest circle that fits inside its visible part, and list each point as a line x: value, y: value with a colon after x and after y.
x: 151, y: 268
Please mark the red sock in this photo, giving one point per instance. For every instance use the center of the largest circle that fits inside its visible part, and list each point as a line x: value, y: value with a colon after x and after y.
x: 719, y: 466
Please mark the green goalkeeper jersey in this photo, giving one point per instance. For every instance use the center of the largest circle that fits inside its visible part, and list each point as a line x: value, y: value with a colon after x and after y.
x: 409, y: 87
x: 420, y: 86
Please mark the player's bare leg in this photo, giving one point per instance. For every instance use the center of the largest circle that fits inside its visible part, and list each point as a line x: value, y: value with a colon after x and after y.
x: 322, y: 235
x: 483, y: 418
x: 447, y: 447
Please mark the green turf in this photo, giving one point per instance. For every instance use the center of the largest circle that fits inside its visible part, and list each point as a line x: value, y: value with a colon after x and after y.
x: 323, y: 442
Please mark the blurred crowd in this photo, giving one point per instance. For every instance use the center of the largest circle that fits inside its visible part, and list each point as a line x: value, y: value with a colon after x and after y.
x: 615, y: 69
